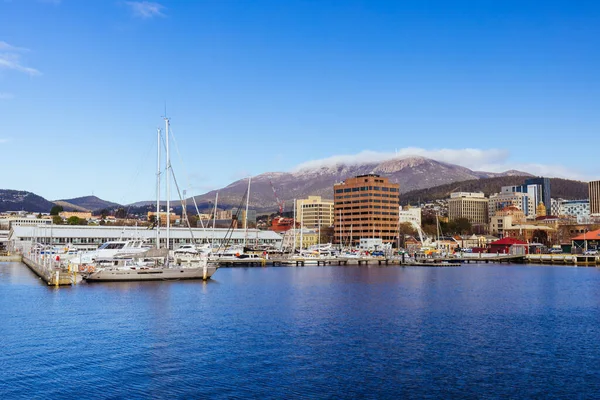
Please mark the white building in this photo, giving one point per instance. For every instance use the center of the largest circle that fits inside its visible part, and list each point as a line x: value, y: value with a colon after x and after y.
x: 90, y: 237
x: 409, y: 215
x: 30, y: 220
x: 579, y: 209
x: 472, y: 206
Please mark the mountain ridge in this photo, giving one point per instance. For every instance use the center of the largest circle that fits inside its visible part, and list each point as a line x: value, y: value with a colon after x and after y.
x: 412, y: 173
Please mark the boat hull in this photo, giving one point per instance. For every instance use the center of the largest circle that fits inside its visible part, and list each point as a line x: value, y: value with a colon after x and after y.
x: 151, y: 274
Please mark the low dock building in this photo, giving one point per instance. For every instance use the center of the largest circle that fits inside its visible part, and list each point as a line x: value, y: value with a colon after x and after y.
x: 90, y: 237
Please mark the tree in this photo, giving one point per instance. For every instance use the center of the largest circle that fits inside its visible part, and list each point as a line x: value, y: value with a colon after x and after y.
x: 56, y: 210
x: 74, y: 220
x: 460, y: 225
x: 57, y: 220
x: 121, y: 214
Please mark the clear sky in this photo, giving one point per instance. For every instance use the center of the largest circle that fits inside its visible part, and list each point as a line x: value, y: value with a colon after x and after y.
x: 257, y: 86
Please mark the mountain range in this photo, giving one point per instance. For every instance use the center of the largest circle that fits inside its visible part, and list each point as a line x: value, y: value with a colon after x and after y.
x: 412, y: 173
x: 416, y: 176
x: 86, y: 203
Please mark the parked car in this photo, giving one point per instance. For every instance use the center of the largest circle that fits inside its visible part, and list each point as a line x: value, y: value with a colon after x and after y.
x: 377, y: 254
x: 555, y: 251
x: 591, y: 252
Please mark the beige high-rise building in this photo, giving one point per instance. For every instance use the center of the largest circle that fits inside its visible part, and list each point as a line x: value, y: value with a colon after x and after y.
x: 472, y: 206
x: 594, y: 187
x: 312, y: 210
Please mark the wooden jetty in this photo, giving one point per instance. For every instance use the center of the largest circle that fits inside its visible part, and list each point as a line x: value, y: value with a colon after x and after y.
x: 53, y: 272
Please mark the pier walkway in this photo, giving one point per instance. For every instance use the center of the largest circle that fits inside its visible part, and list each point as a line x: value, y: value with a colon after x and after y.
x: 51, y: 271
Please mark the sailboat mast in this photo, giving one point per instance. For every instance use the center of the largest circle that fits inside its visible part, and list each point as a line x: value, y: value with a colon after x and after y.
x: 294, y: 245
x: 158, y: 144
x: 212, y: 242
x: 168, y: 170
x: 246, y: 216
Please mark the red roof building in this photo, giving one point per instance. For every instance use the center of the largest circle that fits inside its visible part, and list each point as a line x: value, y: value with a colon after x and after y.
x: 591, y: 235
x: 505, y: 246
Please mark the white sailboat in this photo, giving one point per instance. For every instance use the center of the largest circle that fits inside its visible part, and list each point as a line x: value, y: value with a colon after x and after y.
x: 156, y: 264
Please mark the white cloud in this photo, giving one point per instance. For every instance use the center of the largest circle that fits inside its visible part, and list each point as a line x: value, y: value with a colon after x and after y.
x: 488, y: 160
x: 146, y: 9
x: 10, y: 58
x: 2, y: 141
x: 7, y: 47
x: 6, y: 96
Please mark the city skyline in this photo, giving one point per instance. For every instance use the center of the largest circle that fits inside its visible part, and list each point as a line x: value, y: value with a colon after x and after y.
x: 272, y: 87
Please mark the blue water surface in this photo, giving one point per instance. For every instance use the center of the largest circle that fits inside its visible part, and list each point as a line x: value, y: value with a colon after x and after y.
x: 482, y: 331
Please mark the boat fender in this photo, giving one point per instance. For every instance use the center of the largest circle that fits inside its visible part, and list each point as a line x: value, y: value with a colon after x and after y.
x: 91, y: 268
x: 82, y: 268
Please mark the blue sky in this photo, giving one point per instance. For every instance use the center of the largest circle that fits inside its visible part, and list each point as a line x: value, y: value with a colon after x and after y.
x: 265, y: 86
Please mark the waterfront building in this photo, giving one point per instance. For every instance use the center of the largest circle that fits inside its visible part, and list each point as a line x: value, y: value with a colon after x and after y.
x: 409, y: 214
x: 366, y: 206
x: 314, y: 212
x: 587, y: 240
x: 509, y: 246
x: 594, y: 188
x: 472, y: 206
x: 90, y: 237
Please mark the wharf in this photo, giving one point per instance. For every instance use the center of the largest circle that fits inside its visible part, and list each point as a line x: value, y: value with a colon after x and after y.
x: 485, y: 258
x: 50, y: 271
x: 564, y: 259
x: 301, y: 262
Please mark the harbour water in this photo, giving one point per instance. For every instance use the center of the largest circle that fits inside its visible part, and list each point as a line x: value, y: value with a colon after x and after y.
x: 479, y: 331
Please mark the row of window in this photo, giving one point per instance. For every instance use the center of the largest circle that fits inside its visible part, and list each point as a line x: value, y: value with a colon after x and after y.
x: 356, y: 195
x: 367, y: 188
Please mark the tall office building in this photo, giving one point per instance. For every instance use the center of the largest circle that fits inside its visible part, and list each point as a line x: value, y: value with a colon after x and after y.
x: 537, y: 190
x: 472, y: 206
x: 366, y: 206
x: 594, y: 188
x: 544, y: 192
x: 314, y: 212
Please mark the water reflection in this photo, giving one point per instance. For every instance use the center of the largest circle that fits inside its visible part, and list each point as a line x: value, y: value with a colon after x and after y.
x: 387, y: 332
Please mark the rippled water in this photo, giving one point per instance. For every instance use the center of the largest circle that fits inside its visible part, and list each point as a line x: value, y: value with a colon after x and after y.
x: 313, y: 332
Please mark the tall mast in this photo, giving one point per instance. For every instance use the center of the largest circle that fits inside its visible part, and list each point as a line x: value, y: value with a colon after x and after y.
x: 157, y: 219
x: 212, y: 242
x: 168, y: 171
x: 294, y: 245
x: 246, y: 219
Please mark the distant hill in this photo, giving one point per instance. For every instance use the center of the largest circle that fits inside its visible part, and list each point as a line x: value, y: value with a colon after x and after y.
x: 17, y: 200
x: 560, y: 188
x: 86, y: 203
x: 412, y: 173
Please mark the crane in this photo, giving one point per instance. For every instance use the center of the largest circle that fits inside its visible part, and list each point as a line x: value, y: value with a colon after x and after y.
x: 279, y: 202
